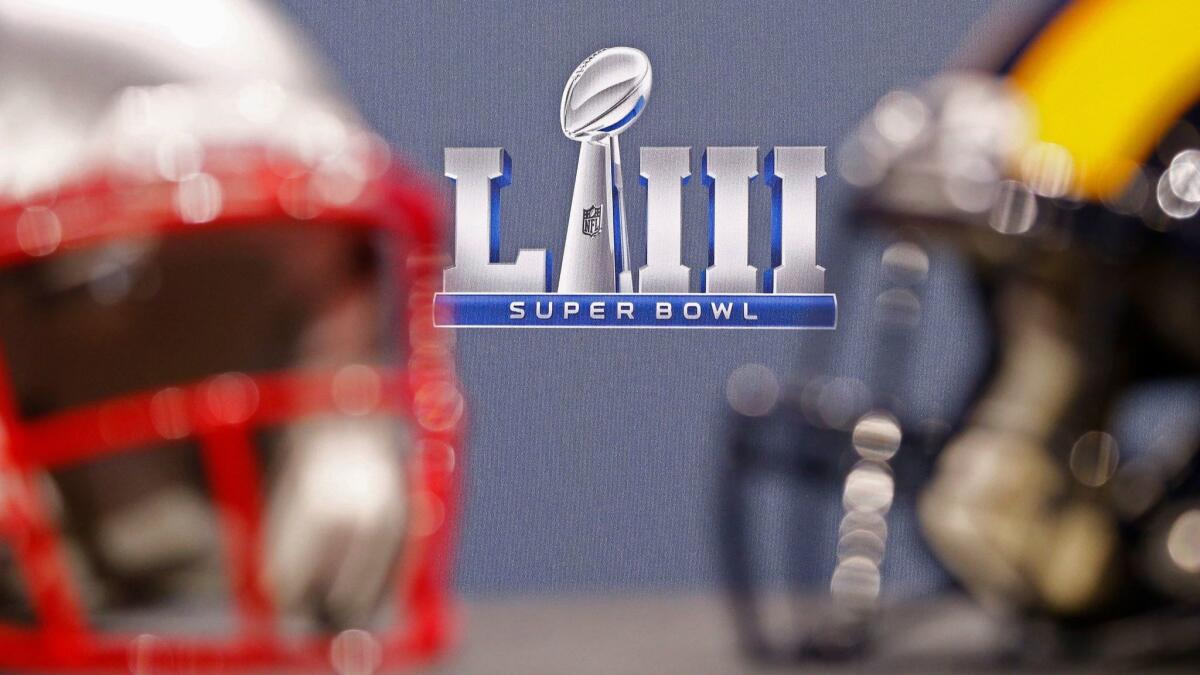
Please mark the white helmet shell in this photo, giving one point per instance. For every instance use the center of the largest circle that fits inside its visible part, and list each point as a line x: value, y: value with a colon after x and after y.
x: 148, y: 84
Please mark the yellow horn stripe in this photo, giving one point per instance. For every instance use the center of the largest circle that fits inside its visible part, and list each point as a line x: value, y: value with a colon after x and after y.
x: 1107, y: 79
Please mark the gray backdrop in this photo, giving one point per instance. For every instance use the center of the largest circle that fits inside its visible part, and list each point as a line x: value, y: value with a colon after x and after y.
x: 592, y: 456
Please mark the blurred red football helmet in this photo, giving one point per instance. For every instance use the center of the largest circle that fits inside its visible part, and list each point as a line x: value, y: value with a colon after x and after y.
x: 195, y: 153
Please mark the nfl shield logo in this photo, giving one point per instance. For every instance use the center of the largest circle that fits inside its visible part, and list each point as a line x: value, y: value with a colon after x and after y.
x: 591, y: 221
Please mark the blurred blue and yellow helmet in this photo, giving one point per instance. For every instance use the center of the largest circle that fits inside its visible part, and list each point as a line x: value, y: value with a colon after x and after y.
x: 1093, y: 104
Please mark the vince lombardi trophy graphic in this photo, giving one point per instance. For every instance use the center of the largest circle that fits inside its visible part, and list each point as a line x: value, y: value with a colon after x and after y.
x: 604, y: 95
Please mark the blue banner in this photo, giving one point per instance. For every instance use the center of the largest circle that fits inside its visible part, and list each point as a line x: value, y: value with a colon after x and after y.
x: 634, y: 310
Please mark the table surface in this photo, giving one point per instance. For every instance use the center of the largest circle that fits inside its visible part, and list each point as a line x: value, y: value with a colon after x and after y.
x: 693, y: 634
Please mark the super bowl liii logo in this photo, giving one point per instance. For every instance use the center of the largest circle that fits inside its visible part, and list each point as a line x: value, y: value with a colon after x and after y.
x: 596, y: 287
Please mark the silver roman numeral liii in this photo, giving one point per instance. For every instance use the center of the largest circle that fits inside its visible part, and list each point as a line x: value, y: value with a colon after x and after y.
x: 596, y: 254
